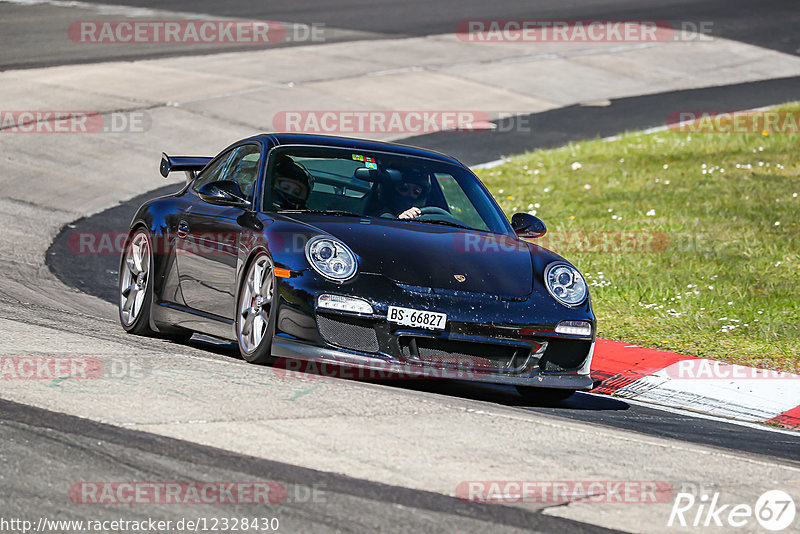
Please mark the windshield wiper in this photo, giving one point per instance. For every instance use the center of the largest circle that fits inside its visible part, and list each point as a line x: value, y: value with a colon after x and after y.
x: 443, y: 223
x: 351, y: 214
x: 327, y: 212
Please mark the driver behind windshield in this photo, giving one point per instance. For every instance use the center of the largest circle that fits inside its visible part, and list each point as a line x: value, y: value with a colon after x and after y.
x: 292, y: 184
x: 408, y: 195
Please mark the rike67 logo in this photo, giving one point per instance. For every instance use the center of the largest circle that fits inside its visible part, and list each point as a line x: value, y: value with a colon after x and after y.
x: 774, y: 511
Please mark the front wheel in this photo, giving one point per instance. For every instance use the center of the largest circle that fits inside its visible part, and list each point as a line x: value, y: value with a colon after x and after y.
x: 254, y: 328
x: 136, y: 284
x: 544, y: 395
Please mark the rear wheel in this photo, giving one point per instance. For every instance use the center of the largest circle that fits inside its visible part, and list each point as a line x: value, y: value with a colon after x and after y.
x: 136, y: 284
x: 254, y: 328
x: 544, y: 395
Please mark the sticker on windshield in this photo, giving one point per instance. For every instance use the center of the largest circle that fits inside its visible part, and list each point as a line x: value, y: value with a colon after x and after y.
x: 371, y: 165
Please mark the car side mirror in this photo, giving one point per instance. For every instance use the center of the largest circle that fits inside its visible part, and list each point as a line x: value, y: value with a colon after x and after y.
x: 528, y: 226
x: 224, y: 193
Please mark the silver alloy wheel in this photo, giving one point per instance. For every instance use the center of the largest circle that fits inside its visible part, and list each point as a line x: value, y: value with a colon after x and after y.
x: 134, y: 277
x: 255, y: 303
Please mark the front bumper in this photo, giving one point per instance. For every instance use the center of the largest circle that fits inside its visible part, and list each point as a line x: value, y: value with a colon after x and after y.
x: 486, y: 340
x: 371, y: 368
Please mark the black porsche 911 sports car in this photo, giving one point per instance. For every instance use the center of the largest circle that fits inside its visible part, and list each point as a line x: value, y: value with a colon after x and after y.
x: 359, y: 253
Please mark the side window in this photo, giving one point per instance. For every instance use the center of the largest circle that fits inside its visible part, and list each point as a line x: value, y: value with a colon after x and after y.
x: 291, y: 184
x: 243, y: 168
x: 211, y: 173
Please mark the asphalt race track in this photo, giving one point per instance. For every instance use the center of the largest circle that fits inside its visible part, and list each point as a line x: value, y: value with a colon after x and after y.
x: 349, y: 505
x: 29, y: 41
x: 383, y: 456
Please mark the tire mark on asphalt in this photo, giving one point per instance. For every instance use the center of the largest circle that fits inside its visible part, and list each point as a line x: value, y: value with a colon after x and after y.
x: 202, y: 455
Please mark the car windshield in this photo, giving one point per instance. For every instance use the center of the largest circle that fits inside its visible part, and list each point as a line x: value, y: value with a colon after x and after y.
x: 323, y: 180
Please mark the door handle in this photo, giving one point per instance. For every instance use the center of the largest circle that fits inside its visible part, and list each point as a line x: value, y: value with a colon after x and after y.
x: 183, y: 229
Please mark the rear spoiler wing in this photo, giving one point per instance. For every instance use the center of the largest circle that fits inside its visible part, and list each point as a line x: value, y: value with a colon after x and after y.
x: 188, y: 164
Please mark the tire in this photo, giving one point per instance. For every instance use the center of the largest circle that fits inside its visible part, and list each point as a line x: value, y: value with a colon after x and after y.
x: 254, y: 317
x: 136, y: 284
x: 544, y: 395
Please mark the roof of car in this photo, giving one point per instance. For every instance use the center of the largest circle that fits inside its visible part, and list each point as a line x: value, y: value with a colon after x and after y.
x: 353, y: 143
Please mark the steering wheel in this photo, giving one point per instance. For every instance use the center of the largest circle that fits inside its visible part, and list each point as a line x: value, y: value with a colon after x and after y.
x: 433, y: 210
x: 432, y: 213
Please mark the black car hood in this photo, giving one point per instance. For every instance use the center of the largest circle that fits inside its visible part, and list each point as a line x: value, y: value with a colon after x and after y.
x: 431, y: 255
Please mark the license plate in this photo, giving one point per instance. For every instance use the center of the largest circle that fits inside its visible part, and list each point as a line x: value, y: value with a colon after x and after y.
x: 417, y: 318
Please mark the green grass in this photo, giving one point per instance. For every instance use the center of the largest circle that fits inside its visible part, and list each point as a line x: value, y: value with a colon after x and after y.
x: 712, y: 273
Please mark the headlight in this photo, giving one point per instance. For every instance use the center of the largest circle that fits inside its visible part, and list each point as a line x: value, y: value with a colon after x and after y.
x: 565, y: 283
x: 331, y: 258
x: 342, y: 303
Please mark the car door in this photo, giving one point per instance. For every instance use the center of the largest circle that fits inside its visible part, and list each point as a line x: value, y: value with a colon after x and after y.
x: 208, y: 235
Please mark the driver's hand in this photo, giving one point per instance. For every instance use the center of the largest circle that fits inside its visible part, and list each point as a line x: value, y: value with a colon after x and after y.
x: 410, y: 213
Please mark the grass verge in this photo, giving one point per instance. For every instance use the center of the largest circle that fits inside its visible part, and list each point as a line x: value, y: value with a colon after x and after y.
x: 689, y: 240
